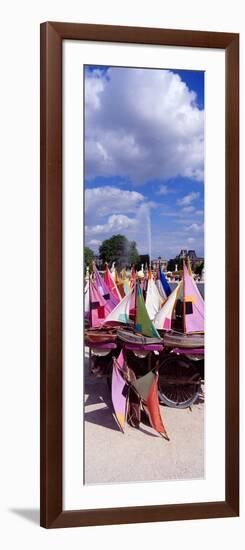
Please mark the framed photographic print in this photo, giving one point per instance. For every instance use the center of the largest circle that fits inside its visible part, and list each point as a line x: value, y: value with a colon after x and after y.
x: 139, y: 274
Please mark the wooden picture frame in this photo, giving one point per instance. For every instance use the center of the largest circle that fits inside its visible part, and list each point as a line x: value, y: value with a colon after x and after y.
x: 52, y: 35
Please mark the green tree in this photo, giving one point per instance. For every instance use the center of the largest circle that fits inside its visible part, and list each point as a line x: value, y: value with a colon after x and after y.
x: 143, y: 259
x: 198, y: 268
x: 133, y: 253
x: 172, y: 263
x: 120, y: 250
x: 88, y: 257
x: 115, y: 249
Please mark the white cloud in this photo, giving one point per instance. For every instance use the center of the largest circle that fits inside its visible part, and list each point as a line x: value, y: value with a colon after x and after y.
x: 115, y: 222
x: 94, y: 242
x: 132, y: 217
x: 188, y: 199
x: 190, y: 240
x: 195, y: 227
x: 111, y: 210
x: 142, y: 124
x: 102, y: 201
x: 94, y: 87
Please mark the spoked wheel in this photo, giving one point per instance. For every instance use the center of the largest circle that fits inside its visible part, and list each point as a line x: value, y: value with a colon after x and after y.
x: 179, y: 383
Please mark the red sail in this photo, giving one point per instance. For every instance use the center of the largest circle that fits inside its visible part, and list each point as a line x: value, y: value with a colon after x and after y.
x: 152, y: 404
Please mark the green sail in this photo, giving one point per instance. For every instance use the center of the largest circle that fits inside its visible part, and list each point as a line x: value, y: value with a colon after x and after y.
x: 143, y: 384
x: 143, y: 323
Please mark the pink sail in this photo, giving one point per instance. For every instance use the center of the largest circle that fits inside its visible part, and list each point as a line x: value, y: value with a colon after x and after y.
x: 120, y: 360
x: 112, y: 285
x: 193, y: 305
x: 98, y: 307
x: 104, y: 290
x: 86, y: 302
x: 119, y: 392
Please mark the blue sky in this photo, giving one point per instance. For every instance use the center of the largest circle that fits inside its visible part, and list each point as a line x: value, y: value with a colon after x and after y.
x: 144, y: 158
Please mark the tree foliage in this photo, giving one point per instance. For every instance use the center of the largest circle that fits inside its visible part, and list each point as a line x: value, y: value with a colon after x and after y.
x: 120, y: 250
x: 143, y: 259
x: 88, y: 257
x: 133, y: 253
x: 172, y: 263
x: 198, y: 268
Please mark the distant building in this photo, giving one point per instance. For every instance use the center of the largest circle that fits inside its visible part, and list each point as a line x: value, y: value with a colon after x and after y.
x: 183, y: 254
x: 192, y: 254
x: 194, y: 259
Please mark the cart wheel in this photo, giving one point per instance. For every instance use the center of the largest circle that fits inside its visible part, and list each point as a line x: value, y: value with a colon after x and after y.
x: 179, y: 383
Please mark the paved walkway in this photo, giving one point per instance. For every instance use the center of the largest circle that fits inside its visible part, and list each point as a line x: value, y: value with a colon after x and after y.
x: 140, y: 455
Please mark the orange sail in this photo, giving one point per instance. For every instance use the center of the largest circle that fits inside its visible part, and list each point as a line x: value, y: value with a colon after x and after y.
x: 120, y: 285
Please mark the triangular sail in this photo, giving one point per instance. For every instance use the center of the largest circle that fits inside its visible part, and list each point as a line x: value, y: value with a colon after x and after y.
x: 86, y: 301
x: 120, y: 285
x: 143, y: 323
x: 153, y: 300
x: 193, y: 305
x: 147, y: 388
x: 161, y: 290
x: 162, y: 284
x: 104, y: 290
x: 163, y: 318
x: 112, y: 285
x: 120, y: 360
x: 120, y: 313
x: 119, y: 393
x: 98, y: 306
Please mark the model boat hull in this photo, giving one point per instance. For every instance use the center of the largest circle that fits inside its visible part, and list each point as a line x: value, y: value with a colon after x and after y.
x: 135, y: 338
x: 172, y: 339
x: 99, y: 336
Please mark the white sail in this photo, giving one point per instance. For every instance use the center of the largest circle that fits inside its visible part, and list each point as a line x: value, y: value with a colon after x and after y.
x: 120, y: 314
x: 113, y: 271
x: 153, y: 300
x: 163, y: 318
x: 161, y: 290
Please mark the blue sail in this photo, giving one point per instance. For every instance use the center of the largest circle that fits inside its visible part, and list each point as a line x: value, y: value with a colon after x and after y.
x: 164, y: 282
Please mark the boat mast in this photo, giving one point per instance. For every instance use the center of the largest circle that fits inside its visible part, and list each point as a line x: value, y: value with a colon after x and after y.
x: 135, y: 296
x: 89, y: 293
x: 184, y: 312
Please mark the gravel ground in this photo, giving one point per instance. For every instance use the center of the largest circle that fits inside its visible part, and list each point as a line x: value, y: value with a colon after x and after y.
x: 140, y: 454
